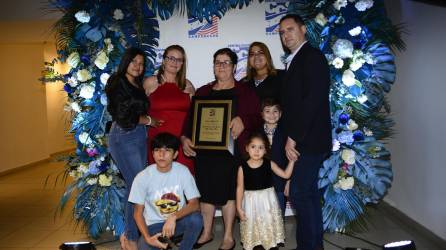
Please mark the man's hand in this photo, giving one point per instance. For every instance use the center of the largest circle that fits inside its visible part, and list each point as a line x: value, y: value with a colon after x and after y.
x: 290, y: 149
x: 153, y: 241
x: 169, y: 226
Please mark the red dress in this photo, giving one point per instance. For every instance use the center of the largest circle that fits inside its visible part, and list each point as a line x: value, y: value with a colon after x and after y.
x: 170, y: 104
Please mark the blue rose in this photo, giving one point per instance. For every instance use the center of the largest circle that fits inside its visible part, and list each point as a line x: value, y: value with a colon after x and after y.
x: 358, y: 135
x: 67, y: 88
x: 343, y: 118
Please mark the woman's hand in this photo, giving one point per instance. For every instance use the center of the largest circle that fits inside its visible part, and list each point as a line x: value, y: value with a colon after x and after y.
x: 236, y: 127
x: 187, y: 147
x: 156, y: 122
x: 241, y: 214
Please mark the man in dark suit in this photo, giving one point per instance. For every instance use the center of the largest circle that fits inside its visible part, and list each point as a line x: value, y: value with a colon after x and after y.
x: 307, y: 124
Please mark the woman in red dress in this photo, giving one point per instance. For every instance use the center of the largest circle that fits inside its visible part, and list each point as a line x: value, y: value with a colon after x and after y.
x: 169, y: 93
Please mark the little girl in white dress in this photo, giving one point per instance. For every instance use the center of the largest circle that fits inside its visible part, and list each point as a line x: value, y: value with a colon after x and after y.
x: 261, y: 217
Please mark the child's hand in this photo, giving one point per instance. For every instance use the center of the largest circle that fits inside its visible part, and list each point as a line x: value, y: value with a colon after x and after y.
x: 153, y: 241
x: 241, y: 214
x: 286, y: 191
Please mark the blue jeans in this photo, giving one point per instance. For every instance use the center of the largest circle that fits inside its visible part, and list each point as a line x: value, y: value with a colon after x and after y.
x: 306, y: 199
x: 128, y: 149
x: 190, y: 227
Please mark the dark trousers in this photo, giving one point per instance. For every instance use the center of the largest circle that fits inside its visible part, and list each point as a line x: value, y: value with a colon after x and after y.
x: 306, y: 200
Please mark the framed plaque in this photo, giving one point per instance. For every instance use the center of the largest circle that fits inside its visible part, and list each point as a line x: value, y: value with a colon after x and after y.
x: 210, y: 124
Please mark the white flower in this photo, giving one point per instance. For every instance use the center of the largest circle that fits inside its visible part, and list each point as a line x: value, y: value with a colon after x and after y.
x: 369, y: 58
x: 118, y: 15
x: 84, y: 138
x: 87, y: 91
x: 343, y: 48
x: 101, y: 60
x: 82, y: 16
x: 355, y: 31
x: 104, y: 180
x: 345, y: 183
x: 348, y: 78
x: 83, y: 75
x: 92, y: 181
x: 321, y: 19
x: 336, y: 145
x: 352, y: 125
x: 104, y: 100
x: 367, y: 131
x: 75, y: 107
x: 362, y: 98
x: 72, y: 81
x: 356, y: 64
x: 338, y: 63
x: 83, y: 168
x: 339, y: 4
x: 108, y: 44
x: 348, y: 156
x: 363, y: 5
x: 104, y: 78
x: 73, y: 59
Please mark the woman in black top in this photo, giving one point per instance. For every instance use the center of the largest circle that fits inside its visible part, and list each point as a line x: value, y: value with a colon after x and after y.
x: 127, y: 104
x: 261, y: 74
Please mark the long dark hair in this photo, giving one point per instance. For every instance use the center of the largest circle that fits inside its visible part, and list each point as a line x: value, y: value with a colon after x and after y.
x: 181, y: 75
x: 126, y: 59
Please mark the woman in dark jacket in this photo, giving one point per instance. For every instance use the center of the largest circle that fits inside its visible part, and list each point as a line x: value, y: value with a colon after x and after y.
x: 127, y: 140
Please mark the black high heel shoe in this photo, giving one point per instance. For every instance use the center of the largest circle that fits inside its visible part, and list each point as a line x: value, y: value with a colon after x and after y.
x: 199, y: 245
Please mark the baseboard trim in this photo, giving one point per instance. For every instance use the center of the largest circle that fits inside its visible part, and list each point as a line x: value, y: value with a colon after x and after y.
x: 406, y: 220
x: 32, y: 164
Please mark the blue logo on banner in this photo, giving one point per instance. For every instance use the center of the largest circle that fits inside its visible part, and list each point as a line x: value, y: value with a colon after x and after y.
x: 242, y: 52
x: 159, y: 57
x: 274, y: 11
x: 199, y: 29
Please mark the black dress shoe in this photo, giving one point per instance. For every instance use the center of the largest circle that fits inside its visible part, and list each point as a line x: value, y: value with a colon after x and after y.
x: 198, y: 245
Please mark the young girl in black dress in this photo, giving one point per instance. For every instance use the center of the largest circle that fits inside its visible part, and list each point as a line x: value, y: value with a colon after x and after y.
x: 261, y: 217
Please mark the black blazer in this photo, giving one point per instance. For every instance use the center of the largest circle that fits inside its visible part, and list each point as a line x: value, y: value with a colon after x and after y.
x: 305, y: 99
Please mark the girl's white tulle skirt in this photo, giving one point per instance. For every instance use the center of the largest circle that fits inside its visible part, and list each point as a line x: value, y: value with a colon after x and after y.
x: 264, y: 223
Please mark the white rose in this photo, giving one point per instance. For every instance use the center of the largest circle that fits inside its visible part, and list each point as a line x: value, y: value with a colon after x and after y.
x: 72, y: 81
x: 75, y: 107
x: 348, y: 156
x: 104, y: 78
x: 343, y: 48
x: 362, y: 98
x: 92, y: 181
x: 352, y: 125
x: 73, y: 59
x: 83, y: 75
x: 363, y: 5
x: 82, y: 16
x: 355, y: 31
x: 345, y: 183
x: 348, y: 78
x: 338, y: 63
x: 336, y: 145
x: 118, y: 15
x: 87, y: 91
x: 104, y: 180
x: 321, y: 19
x: 84, y: 138
x: 101, y: 60
x: 339, y: 4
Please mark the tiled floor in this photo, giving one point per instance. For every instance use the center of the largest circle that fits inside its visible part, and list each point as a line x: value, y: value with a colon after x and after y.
x: 28, y: 218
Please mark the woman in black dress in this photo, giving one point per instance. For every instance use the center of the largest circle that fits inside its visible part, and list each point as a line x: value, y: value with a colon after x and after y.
x: 216, y: 170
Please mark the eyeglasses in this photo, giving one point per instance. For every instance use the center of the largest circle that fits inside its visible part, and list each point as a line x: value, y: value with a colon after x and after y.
x: 222, y: 64
x: 257, y: 53
x: 173, y: 59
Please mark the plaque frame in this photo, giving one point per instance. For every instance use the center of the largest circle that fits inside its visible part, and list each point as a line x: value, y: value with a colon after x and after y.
x: 200, y: 105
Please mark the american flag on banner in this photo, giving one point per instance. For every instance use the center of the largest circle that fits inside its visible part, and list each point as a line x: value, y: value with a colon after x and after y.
x: 203, y: 29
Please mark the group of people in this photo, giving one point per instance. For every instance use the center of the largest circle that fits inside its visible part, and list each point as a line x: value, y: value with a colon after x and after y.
x: 281, y: 130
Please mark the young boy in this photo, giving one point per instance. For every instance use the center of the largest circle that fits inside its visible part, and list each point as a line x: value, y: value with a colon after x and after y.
x: 159, y: 193
x: 271, y: 113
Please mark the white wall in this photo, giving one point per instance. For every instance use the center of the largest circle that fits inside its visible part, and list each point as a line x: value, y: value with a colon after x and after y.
x: 418, y: 105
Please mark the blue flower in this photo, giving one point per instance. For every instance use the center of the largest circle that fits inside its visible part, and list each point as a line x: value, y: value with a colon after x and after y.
x: 343, y: 118
x: 346, y: 137
x: 67, y: 88
x: 358, y: 135
x: 85, y: 59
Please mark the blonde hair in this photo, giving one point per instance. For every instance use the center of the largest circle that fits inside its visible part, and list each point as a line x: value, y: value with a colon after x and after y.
x: 250, y: 71
x: 181, y: 74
